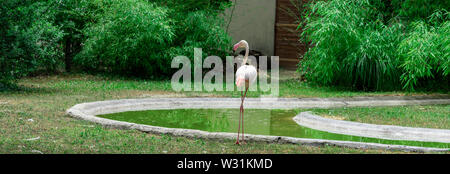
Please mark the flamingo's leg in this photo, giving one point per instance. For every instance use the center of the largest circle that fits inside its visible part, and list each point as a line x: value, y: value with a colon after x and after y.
x: 242, y: 106
x: 240, y: 115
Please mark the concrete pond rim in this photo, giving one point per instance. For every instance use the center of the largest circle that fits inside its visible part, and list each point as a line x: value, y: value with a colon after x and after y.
x: 88, y: 112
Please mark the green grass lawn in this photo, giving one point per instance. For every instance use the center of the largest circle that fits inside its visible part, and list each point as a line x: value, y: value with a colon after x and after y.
x: 38, y: 110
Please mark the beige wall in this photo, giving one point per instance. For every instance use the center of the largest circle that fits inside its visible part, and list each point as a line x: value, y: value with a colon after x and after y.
x: 254, y: 21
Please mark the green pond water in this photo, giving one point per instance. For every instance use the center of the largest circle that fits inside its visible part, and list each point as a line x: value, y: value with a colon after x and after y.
x: 257, y: 121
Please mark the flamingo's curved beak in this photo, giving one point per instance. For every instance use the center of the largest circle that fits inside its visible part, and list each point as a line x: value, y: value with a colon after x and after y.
x: 236, y: 46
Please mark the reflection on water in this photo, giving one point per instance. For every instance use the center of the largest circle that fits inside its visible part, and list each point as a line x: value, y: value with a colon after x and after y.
x: 257, y: 121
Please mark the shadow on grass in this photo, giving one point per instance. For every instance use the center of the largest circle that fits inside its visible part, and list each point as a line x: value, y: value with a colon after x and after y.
x: 20, y: 89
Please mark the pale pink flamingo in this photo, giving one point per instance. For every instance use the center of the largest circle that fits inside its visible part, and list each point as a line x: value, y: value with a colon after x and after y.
x: 245, y: 76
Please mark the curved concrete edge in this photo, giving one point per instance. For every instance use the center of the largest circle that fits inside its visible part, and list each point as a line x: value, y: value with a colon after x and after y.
x: 307, y: 119
x: 87, y: 111
x: 123, y: 105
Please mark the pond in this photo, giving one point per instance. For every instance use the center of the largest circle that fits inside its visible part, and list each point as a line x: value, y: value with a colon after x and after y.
x: 275, y: 122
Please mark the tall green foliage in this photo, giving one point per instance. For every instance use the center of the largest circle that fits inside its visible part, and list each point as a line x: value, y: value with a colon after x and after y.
x: 128, y: 39
x: 370, y: 44
x: 352, y: 46
x: 28, y: 39
x: 73, y: 16
x: 425, y: 53
x: 197, y: 24
x: 411, y: 10
x: 140, y: 38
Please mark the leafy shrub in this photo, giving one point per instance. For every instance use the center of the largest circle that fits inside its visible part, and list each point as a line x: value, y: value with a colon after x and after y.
x: 370, y: 45
x: 28, y: 39
x: 140, y: 38
x: 425, y: 53
x: 73, y: 16
x: 352, y: 47
x: 198, y: 29
x: 198, y: 24
x: 127, y: 39
x: 412, y: 10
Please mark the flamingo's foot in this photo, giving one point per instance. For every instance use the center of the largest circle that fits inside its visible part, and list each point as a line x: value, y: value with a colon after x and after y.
x: 243, y: 142
x: 237, y: 142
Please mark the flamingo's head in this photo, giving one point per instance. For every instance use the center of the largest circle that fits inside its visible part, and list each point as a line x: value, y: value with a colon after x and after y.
x: 240, y: 44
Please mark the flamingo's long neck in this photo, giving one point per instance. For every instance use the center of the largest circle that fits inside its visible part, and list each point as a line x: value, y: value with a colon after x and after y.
x: 246, y: 55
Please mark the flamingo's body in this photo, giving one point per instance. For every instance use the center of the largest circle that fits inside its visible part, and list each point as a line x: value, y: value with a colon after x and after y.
x: 245, y: 76
x: 247, y: 73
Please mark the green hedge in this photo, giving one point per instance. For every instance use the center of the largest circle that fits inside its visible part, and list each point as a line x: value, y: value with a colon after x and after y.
x: 120, y: 37
x: 140, y: 38
x: 376, y: 45
x: 127, y: 38
x: 28, y: 39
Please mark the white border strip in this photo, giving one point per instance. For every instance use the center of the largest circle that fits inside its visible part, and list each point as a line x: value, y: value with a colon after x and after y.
x: 389, y: 132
